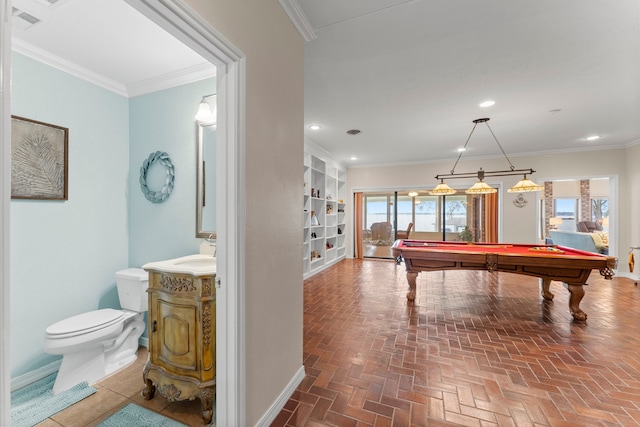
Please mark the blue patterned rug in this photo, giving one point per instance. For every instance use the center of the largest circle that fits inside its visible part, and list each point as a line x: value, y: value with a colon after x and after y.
x: 36, y: 402
x: 134, y: 415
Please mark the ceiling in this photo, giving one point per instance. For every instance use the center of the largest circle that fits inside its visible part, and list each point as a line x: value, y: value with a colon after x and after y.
x: 409, y: 74
x: 107, y: 42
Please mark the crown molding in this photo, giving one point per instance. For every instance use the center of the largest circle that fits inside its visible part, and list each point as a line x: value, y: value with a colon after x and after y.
x: 34, y: 52
x: 154, y: 84
x: 181, y: 77
x: 299, y: 19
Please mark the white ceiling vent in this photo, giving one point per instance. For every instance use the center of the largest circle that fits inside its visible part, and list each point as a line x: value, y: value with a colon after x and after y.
x: 23, y: 20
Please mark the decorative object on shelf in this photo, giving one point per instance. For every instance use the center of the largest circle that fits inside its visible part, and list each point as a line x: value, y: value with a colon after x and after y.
x: 315, y: 255
x: 329, y: 245
x: 207, y: 115
x: 329, y: 210
x: 340, y: 201
x: 555, y: 222
x: 314, y: 218
x: 339, y: 230
x: 313, y: 192
x: 165, y: 191
x: 519, y: 201
x: 329, y: 197
x: 39, y: 160
x: 313, y: 235
x: 481, y: 187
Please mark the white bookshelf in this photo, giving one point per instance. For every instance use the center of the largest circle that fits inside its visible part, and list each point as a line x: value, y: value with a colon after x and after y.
x: 324, y: 213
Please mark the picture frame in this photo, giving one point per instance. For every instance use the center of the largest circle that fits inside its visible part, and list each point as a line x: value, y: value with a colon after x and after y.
x: 39, y: 160
x: 314, y: 219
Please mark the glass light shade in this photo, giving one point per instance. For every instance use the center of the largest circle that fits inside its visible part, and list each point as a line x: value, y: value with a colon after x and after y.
x: 442, y: 189
x: 525, y: 185
x: 481, y: 187
x: 206, y: 115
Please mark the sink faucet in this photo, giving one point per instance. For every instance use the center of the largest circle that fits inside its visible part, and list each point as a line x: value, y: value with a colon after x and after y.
x: 212, y: 239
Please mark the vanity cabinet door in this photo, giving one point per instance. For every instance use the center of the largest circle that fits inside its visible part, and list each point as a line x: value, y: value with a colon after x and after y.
x: 174, y: 340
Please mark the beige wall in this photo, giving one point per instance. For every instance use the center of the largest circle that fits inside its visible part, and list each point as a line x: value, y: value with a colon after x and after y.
x: 630, y: 205
x: 518, y: 225
x: 274, y: 52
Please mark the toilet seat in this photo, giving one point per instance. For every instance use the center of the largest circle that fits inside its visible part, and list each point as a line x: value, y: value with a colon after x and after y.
x: 84, y: 323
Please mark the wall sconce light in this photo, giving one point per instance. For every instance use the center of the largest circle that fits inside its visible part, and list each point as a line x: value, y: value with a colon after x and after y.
x: 208, y: 115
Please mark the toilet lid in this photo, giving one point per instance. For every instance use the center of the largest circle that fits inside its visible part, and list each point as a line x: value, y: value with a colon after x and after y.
x: 84, y: 323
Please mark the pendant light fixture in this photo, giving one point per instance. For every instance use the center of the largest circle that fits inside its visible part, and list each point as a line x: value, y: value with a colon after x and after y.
x: 481, y: 187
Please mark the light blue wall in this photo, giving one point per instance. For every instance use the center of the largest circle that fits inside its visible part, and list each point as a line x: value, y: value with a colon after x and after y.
x: 64, y: 255
x: 164, y: 121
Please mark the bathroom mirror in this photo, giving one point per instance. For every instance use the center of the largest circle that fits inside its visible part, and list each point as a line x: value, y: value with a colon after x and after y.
x: 206, y: 180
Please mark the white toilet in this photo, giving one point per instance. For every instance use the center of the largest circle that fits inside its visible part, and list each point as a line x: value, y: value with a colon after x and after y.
x: 98, y: 343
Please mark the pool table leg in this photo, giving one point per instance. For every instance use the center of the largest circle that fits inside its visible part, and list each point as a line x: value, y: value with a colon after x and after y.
x: 577, y: 292
x: 544, y: 289
x: 411, y: 278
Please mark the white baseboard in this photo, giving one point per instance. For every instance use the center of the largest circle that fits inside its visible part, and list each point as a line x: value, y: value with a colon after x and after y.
x: 40, y: 373
x: 279, y: 403
x: 35, y: 375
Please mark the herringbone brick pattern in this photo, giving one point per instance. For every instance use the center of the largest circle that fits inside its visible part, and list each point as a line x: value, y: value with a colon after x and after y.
x: 475, y: 349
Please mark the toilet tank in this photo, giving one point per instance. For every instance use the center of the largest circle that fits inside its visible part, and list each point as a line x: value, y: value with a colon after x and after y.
x: 132, y: 289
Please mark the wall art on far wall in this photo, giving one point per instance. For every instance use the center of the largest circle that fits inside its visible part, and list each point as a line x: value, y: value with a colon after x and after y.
x: 39, y: 160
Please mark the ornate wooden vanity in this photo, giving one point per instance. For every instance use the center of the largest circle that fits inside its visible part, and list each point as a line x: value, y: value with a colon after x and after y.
x: 182, y: 336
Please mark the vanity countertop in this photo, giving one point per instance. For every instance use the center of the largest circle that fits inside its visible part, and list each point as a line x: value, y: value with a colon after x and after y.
x: 196, y: 265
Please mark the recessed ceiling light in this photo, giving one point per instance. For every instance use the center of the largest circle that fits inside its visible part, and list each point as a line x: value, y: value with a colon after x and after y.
x: 487, y: 104
x: 592, y: 137
x: 460, y: 150
x: 314, y: 127
x: 354, y: 158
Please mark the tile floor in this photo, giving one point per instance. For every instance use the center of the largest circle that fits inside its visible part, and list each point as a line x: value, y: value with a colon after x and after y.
x: 117, y: 391
x: 476, y: 349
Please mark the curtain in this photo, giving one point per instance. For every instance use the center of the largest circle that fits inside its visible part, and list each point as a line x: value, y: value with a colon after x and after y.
x: 491, y: 217
x: 357, y: 233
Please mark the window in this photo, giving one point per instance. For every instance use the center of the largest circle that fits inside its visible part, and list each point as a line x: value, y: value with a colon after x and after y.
x: 567, y: 209
x: 405, y: 211
x: 455, y: 209
x: 426, y: 218
x: 599, y: 209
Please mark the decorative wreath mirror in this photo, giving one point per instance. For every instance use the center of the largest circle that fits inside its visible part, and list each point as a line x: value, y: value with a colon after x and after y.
x: 163, y: 194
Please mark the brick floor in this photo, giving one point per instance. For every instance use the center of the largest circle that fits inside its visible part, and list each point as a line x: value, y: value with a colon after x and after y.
x: 475, y: 349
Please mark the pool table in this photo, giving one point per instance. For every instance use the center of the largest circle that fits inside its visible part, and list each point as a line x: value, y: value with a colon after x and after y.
x: 548, y: 262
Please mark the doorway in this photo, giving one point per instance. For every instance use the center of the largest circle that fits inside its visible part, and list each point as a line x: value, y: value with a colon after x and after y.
x: 197, y: 34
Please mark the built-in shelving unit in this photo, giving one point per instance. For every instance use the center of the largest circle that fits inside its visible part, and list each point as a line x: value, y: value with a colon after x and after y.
x: 325, y: 189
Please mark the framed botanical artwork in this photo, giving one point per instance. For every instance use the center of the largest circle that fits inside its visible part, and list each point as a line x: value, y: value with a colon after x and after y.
x: 39, y: 160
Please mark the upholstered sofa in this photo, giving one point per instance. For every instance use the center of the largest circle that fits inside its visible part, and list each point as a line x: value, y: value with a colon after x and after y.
x: 591, y: 242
